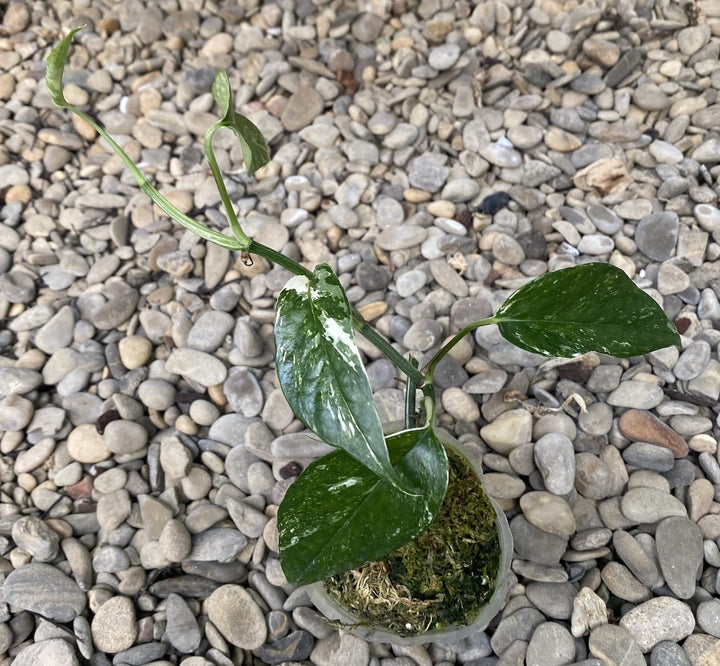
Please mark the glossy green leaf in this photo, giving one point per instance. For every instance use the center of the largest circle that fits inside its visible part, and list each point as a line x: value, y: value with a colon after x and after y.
x: 338, y: 515
x: 254, y: 148
x: 592, y: 307
x: 320, y: 370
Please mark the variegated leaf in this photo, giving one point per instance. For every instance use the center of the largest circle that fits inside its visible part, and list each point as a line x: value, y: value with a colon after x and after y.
x: 321, y: 373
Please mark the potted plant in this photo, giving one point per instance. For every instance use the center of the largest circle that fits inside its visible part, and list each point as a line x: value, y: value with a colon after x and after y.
x: 384, y: 503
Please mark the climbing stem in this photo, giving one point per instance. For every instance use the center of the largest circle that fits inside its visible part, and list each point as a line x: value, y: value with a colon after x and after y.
x: 235, y: 227
x: 374, y: 338
x: 440, y: 354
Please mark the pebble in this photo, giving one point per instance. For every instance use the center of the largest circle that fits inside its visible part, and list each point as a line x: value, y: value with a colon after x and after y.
x: 588, y: 612
x: 237, y: 616
x: 693, y: 360
x: 649, y: 505
x: 45, y: 590
x: 123, y: 436
x: 641, y: 425
x: 636, y: 395
x: 33, y: 536
x: 114, y: 626
x: 551, y: 644
x: 658, y: 619
x: 197, y: 366
x: 209, y: 330
x: 51, y: 651
x: 614, y: 644
x: 656, y: 235
x: 548, y: 512
x: 508, y: 431
x: 680, y: 553
x: 182, y: 630
x: 444, y: 57
x: 555, y: 459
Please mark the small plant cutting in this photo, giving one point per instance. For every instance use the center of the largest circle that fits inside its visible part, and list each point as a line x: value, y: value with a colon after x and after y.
x: 380, y: 502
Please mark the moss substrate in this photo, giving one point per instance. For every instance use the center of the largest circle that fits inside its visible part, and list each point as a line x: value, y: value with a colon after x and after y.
x: 443, y: 578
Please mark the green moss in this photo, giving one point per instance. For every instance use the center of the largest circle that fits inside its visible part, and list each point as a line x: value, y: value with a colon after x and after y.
x: 443, y: 578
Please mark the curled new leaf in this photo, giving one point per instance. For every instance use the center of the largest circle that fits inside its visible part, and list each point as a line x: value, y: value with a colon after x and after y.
x: 252, y: 142
x: 56, y: 67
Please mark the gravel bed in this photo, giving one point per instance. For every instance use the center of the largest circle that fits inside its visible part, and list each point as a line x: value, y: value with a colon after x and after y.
x: 144, y: 442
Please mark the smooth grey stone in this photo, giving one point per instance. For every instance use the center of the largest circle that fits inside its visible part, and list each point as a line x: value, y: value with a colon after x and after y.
x: 243, y: 391
x: 294, y: 647
x: 649, y: 505
x: 518, y: 626
x: 627, y: 63
x: 17, y: 286
x: 668, y: 653
x: 110, y: 559
x: 550, y: 645
x: 45, y: 590
x: 139, y: 655
x: 555, y: 600
x: 182, y: 630
x: 57, y: 332
x: 658, y: 619
x: 636, y: 394
x: 278, y: 623
x: 217, y: 545
x: 693, y: 360
x: 312, y: 621
x: 555, y: 459
x: 637, y: 560
x: 649, y: 456
x: 209, y: 330
x: 620, y: 581
x: 536, y: 545
x: 614, y: 644
x: 680, y: 551
x: 656, y: 235
x: 423, y: 335
x: 230, y: 429
x: 593, y: 476
x: 116, y: 306
x: 196, y: 365
x: 55, y: 651
x: 220, y: 572
x: 428, y: 172
x: 189, y: 586
x: 18, y: 380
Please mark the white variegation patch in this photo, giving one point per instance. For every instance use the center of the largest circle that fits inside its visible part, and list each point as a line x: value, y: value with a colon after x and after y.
x: 341, y: 340
x: 347, y: 483
x: 298, y: 284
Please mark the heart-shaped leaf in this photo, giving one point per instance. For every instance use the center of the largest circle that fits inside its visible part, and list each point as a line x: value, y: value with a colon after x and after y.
x: 320, y: 370
x: 592, y: 307
x: 339, y: 515
x: 254, y: 148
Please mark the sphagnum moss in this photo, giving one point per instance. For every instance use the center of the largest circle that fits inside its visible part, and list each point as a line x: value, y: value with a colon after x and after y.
x: 441, y: 579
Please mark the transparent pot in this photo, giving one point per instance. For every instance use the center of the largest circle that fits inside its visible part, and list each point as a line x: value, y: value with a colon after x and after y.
x: 336, y: 611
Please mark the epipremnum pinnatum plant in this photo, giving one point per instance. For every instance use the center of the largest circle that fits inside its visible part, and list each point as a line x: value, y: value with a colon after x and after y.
x: 372, y: 495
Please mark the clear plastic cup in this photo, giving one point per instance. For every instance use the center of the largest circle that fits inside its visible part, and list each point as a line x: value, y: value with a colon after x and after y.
x: 334, y: 610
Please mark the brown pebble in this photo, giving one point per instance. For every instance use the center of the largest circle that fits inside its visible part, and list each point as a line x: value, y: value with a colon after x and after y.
x: 642, y: 426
